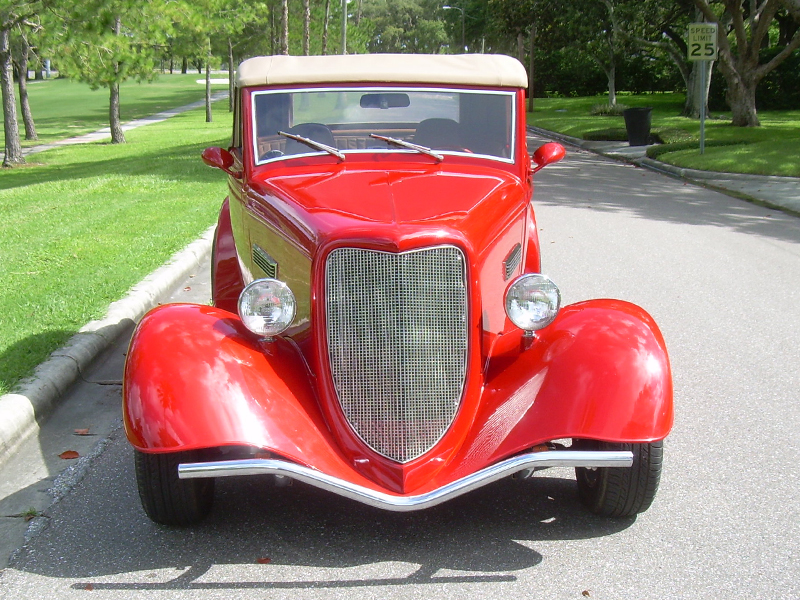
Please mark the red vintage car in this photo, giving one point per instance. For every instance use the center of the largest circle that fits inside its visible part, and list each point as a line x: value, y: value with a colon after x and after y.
x: 380, y: 327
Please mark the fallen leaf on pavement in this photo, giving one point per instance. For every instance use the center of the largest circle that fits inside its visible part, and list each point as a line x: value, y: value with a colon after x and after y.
x: 69, y: 455
x: 586, y: 593
x: 264, y: 561
x: 81, y: 432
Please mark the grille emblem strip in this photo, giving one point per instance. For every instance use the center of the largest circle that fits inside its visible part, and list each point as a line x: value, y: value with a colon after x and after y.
x: 397, y: 342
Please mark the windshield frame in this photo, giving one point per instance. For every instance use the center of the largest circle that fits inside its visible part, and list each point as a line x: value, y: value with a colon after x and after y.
x: 510, y: 93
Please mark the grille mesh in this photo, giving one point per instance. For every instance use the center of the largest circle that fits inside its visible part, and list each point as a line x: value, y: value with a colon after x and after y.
x: 397, y: 342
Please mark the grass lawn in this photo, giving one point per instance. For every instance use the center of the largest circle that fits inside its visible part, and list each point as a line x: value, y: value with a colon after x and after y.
x: 772, y: 149
x: 63, y: 108
x: 79, y: 230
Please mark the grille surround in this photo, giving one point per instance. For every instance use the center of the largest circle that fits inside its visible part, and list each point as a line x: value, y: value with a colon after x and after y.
x: 397, y: 332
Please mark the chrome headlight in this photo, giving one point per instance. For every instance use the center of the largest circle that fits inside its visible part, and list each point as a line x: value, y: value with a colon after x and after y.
x: 532, y: 301
x: 267, y: 307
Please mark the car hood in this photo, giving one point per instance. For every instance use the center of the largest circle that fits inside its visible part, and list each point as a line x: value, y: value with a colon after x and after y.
x: 395, y: 206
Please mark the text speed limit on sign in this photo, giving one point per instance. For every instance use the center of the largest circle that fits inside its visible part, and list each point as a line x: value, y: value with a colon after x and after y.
x: 702, y: 41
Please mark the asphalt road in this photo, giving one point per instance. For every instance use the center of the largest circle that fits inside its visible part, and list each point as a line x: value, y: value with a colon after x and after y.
x: 721, y: 278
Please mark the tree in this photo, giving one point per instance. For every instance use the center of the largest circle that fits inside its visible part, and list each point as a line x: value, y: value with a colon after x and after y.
x: 744, y: 26
x: 12, y: 14
x: 106, y: 42
x: 20, y: 54
x: 284, y: 26
x: 404, y: 26
x: 306, y: 27
x: 658, y: 27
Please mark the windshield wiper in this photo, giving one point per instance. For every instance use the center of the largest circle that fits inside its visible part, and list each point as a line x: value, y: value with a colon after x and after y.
x: 313, y: 144
x: 409, y: 145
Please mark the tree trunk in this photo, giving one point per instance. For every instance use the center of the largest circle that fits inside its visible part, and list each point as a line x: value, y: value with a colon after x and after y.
x: 741, y: 97
x: 117, y: 137
x: 325, y: 27
x: 231, y: 71
x: 611, y: 74
x: 343, y: 50
x: 694, y: 93
x: 27, y: 116
x: 306, y: 27
x: 208, y: 83
x: 13, y: 147
x: 520, y: 48
x: 285, y: 27
x: 184, y: 65
x: 531, y: 70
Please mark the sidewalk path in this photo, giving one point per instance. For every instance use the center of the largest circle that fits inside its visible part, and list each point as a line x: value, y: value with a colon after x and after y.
x: 776, y: 192
x: 35, y: 398
x: 105, y: 132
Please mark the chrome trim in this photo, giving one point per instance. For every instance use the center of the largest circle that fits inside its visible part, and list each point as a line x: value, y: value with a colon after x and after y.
x: 382, y: 88
x: 533, y: 460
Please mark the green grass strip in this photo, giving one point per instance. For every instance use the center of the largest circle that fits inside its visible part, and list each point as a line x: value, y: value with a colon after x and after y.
x: 771, y: 149
x: 63, y: 108
x: 80, y: 230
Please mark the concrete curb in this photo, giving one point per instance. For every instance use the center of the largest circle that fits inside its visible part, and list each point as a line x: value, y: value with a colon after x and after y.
x: 36, y: 397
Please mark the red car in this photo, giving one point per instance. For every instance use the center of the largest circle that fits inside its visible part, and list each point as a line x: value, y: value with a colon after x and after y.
x: 380, y: 327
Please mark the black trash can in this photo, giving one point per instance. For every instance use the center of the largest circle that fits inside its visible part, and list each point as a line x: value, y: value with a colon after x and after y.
x: 637, y: 123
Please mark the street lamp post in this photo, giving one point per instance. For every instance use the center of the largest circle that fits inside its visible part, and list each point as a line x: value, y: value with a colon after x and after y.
x: 463, y: 45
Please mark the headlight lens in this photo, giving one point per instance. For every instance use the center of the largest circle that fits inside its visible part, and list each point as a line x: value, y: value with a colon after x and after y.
x: 532, y: 302
x: 267, y: 307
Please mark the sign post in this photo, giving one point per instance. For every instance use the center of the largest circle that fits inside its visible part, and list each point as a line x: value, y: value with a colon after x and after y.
x: 702, y: 46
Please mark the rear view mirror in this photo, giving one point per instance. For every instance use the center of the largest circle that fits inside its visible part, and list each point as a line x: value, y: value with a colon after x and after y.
x: 547, y: 155
x: 387, y: 100
x: 220, y: 159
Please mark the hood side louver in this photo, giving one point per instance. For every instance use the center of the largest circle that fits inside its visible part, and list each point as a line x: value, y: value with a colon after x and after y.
x: 265, y: 262
x: 512, y: 261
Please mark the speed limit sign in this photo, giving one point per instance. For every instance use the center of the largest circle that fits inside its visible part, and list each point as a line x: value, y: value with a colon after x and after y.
x: 702, y: 41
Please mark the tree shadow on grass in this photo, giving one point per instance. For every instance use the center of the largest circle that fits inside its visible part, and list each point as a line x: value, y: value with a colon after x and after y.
x: 21, y: 358
x: 182, y: 163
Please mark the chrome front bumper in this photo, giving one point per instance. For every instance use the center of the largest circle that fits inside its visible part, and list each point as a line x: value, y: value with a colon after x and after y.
x: 524, y: 462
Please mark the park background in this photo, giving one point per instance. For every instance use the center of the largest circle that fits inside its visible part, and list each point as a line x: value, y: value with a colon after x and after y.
x: 80, y: 225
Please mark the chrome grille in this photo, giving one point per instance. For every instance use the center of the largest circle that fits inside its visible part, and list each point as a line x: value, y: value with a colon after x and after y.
x: 397, y: 343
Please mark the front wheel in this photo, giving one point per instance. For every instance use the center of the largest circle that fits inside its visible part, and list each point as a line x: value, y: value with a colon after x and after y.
x: 167, y: 499
x: 620, y: 491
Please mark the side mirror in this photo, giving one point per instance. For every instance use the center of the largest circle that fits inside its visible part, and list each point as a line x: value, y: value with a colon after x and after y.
x: 547, y: 155
x: 220, y: 159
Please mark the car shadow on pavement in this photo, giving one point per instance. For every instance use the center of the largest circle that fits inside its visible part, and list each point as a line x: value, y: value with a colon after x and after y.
x: 584, y: 180
x: 101, y: 538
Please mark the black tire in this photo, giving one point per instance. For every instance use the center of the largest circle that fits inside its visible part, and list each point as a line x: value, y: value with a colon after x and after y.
x: 621, y: 491
x: 166, y: 499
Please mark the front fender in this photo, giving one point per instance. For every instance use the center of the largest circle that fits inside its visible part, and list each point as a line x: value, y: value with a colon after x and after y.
x: 226, y: 276
x: 599, y: 371
x: 195, y: 377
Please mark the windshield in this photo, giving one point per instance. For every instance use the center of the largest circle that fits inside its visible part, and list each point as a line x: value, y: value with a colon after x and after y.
x: 390, y: 119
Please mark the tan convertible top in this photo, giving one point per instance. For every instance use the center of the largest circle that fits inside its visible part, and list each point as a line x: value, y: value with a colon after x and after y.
x: 494, y: 70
